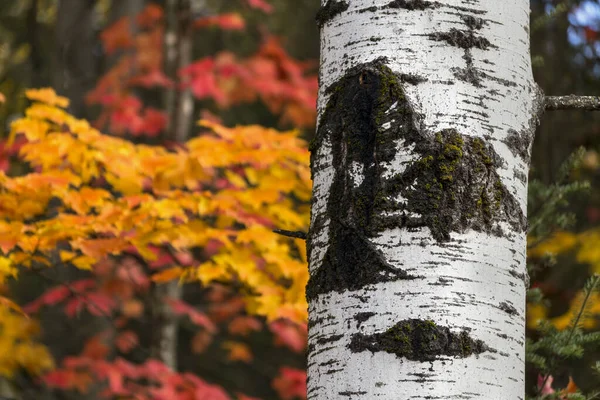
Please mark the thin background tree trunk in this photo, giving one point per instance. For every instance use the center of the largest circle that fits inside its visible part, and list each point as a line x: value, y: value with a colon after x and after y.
x: 417, y: 244
x: 75, y: 70
x: 180, y: 109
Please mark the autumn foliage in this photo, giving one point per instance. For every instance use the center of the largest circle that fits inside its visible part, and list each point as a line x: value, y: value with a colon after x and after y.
x: 270, y: 75
x: 202, y: 212
x: 130, y: 217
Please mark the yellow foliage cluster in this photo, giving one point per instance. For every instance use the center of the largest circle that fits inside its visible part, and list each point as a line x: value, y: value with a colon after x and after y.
x: 17, y: 347
x: 587, y: 251
x: 94, y: 196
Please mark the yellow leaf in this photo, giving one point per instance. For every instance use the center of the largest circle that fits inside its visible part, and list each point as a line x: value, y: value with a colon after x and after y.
x: 7, y: 268
x: 84, y: 262
x: 67, y: 256
x: 558, y: 243
x: 238, y: 351
x: 48, y: 96
x: 33, y: 129
x: 12, y: 305
x: 235, y: 179
x: 167, y: 275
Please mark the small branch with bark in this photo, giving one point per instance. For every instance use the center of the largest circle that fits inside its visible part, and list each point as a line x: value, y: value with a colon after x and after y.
x: 572, y: 102
x: 291, y: 234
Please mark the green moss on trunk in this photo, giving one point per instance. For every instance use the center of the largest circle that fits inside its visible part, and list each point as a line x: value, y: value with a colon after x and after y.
x: 419, y: 340
x: 451, y: 186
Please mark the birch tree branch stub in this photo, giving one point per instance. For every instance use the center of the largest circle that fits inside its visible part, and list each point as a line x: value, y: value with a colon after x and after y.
x: 572, y: 102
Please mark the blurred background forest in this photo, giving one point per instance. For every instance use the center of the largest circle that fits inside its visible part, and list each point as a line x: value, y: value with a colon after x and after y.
x: 146, y: 71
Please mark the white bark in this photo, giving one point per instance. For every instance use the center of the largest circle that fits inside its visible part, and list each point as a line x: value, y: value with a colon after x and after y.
x: 180, y: 109
x: 474, y: 55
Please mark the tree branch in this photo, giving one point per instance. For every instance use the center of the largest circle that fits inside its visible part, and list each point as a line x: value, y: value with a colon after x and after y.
x: 292, y: 234
x: 572, y: 102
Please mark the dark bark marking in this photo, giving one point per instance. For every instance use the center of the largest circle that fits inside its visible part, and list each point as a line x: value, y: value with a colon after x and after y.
x: 329, y: 363
x: 453, y: 185
x: 333, y: 371
x: 462, y: 39
x: 442, y: 282
x: 412, y: 4
x: 419, y: 340
x: 348, y: 393
x: 519, y: 143
x: 507, y: 308
x: 412, y: 79
x: 368, y: 9
x: 362, y: 317
x: 330, y: 10
x: 469, y: 74
x: 523, y: 277
x: 469, y: 10
x: 520, y: 175
x: 329, y: 339
x: 354, y: 116
x: 474, y: 23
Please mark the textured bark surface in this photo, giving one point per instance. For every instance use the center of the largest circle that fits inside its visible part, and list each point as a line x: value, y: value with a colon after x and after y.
x: 427, y: 111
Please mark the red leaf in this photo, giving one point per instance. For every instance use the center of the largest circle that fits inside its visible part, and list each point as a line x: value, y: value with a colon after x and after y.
x: 82, y: 285
x: 58, y: 379
x: 243, y: 325
x: 241, y: 396
x: 289, y: 334
x: 100, y: 304
x: 126, y: 341
x: 117, y: 36
x: 154, y: 121
x: 230, y: 21
x: 50, y: 297
x: 128, y: 369
x: 97, y: 304
x: 95, y: 349
x: 261, y: 5
x: 154, y: 78
x: 151, y: 15
x: 153, y: 369
x: 198, y: 318
x: 290, y: 383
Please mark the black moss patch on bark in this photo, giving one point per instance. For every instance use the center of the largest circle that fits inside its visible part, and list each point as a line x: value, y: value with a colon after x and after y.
x: 474, y: 23
x: 523, y: 277
x: 419, y: 340
x: 412, y: 4
x: 454, y: 186
x: 362, y: 317
x: 462, y: 39
x: 330, y: 10
x: 329, y: 339
x: 352, y: 122
x: 350, y: 394
x: 469, y: 74
x: 507, y: 308
x: 451, y: 186
x: 368, y: 9
x: 412, y: 79
x: 518, y: 143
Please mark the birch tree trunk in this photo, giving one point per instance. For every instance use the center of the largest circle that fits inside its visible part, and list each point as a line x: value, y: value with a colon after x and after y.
x: 427, y: 111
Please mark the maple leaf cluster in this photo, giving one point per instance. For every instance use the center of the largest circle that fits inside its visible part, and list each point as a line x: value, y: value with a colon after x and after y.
x: 133, y: 217
x: 204, y: 212
x: 94, y: 196
x: 271, y: 75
